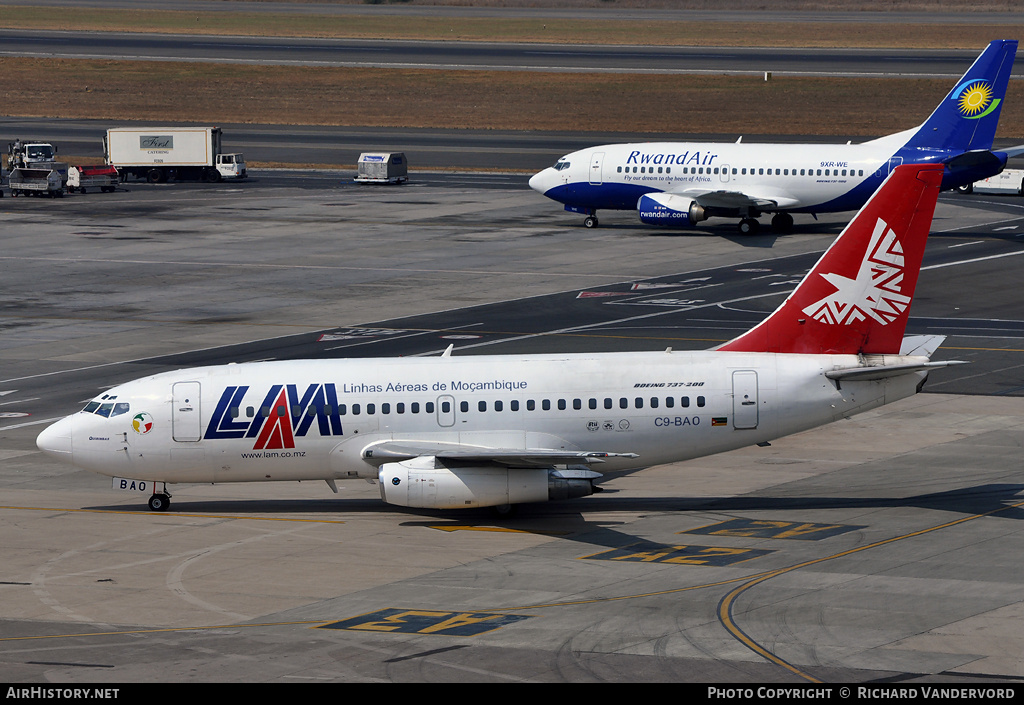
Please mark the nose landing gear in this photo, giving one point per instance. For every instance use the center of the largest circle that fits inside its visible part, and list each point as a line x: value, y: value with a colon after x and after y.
x: 160, y: 500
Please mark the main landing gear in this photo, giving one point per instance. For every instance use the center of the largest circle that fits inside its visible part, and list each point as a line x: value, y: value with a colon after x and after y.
x: 590, y: 221
x: 782, y: 223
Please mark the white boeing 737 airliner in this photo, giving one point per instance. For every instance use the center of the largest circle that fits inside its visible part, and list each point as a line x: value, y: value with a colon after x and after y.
x: 682, y: 183
x: 450, y: 432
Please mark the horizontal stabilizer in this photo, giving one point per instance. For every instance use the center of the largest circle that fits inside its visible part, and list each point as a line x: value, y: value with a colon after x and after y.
x: 924, y: 345
x: 978, y: 159
x: 875, y: 372
x: 1013, y: 151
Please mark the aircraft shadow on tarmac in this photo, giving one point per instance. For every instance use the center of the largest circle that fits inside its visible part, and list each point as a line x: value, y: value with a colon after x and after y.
x: 563, y: 520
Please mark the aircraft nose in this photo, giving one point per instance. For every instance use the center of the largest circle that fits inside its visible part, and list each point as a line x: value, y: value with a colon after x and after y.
x: 55, y: 440
x: 539, y: 181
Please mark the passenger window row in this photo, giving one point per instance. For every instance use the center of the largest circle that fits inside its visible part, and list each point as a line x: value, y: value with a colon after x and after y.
x: 387, y: 408
x: 760, y: 171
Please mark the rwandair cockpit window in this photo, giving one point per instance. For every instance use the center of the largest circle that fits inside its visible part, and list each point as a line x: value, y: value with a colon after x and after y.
x: 107, y: 409
x: 561, y: 165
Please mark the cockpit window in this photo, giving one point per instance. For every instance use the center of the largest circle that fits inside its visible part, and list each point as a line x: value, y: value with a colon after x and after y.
x: 107, y: 410
x: 559, y: 165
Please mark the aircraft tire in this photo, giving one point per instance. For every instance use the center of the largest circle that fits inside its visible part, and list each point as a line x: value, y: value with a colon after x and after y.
x: 159, y: 502
x: 748, y: 226
x: 966, y: 188
x: 782, y: 222
x: 590, y: 221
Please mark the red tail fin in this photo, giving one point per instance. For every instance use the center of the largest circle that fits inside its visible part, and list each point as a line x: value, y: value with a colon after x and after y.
x: 857, y: 297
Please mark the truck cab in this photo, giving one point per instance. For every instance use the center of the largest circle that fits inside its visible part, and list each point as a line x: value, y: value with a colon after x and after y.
x: 231, y: 166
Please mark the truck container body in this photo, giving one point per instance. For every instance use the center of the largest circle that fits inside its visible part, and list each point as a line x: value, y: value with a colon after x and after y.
x: 25, y: 181
x: 382, y: 168
x: 1006, y: 181
x: 159, y: 154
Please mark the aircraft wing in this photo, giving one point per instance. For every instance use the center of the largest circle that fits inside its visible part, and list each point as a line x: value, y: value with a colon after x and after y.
x: 397, y: 451
x: 724, y: 198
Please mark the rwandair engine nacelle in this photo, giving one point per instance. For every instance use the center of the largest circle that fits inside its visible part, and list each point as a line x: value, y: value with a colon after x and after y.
x: 425, y: 483
x: 669, y: 209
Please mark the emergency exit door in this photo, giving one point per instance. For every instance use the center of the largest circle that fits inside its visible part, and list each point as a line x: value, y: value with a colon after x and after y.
x: 185, y: 412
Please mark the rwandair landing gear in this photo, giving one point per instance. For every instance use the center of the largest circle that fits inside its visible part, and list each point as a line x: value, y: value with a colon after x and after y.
x: 160, y: 500
x: 782, y: 222
x: 748, y: 226
x: 590, y: 221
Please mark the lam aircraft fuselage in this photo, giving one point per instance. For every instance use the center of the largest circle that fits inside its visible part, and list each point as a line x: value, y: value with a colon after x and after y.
x: 322, y: 420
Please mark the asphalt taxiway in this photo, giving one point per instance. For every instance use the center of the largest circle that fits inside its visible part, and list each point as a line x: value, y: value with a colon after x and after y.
x: 881, y: 547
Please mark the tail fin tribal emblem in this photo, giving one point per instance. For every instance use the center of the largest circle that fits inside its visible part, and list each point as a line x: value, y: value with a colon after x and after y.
x: 875, y: 292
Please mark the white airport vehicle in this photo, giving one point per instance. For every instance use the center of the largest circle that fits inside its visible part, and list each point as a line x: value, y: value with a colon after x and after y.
x: 38, y: 156
x: 683, y: 183
x: 452, y: 432
x: 159, y: 154
x: 25, y: 181
x: 382, y: 168
x: 1006, y: 181
x: 83, y: 178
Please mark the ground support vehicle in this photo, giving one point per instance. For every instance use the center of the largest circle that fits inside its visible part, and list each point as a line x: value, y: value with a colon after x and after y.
x: 100, y: 177
x: 382, y: 168
x: 1006, y: 181
x: 160, y: 154
x: 36, y: 182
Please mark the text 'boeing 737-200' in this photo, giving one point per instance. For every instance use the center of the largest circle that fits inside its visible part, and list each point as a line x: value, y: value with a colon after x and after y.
x: 683, y: 183
x: 450, y: 432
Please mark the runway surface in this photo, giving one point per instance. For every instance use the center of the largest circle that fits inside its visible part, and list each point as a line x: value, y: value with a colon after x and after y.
x: 879, y: 548
x: 570, y: 12
x: 398, y: 54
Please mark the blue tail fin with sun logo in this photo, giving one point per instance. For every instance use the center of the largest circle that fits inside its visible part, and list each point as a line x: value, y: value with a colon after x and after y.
x: 967, y: 118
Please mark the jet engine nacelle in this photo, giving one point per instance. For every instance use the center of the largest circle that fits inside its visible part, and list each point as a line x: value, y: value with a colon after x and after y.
x: 426, y: 483
x: 669, y: 209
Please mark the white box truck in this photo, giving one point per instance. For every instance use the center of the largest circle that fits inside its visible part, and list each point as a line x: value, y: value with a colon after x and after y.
x: 159, y: 154
x: 1006, y: 181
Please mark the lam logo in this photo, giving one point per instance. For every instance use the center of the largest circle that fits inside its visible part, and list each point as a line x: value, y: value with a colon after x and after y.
x: 875, y: 292
x: 287, y: 412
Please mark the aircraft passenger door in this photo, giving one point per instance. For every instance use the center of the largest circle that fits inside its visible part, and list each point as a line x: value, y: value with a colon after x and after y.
x: 894, y: 162
x: 597, y: 168
x: 185, y: 412
x: 744, y: 399
x: 445, y: 410
x: 724, y: 174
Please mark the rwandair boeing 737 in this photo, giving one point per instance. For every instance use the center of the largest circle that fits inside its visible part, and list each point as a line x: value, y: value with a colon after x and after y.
x: 450, y: 432
x: 683, y: 183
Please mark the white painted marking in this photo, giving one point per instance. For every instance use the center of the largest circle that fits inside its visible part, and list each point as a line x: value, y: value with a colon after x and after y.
x: 969, y: 261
